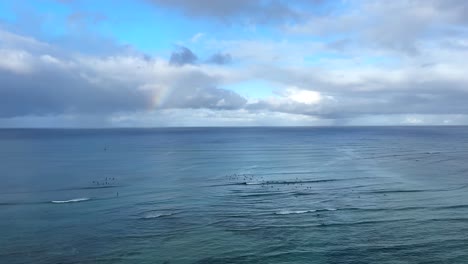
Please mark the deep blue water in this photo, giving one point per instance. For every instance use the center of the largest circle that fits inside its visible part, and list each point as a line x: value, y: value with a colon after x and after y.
x: 234, y: 195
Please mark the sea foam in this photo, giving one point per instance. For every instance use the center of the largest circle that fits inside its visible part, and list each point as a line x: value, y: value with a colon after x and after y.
x: 71, y: 200
x: 152, y: 215
x: 287, y: 212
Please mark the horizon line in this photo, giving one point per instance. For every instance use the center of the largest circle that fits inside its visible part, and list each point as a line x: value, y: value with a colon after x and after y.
x: 181, y: 127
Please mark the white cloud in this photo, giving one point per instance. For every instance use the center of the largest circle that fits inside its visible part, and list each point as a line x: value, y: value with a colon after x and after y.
x: 17, y: 61
x: 197, y: 37
x: 303, y: 96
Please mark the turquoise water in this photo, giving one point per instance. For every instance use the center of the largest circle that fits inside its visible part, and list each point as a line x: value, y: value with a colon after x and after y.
x: 234, y: 195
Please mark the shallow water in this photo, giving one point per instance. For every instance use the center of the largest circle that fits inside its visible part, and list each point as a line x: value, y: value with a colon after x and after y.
x: 234, y: 195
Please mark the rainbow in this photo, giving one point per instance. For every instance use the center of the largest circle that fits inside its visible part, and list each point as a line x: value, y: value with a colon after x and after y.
x: 159, y: 97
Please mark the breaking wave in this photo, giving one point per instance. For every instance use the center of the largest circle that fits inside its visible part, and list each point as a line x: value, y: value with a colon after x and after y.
x: 76, y: 200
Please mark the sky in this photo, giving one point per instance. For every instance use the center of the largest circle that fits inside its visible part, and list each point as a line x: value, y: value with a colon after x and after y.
x: 159, y: 63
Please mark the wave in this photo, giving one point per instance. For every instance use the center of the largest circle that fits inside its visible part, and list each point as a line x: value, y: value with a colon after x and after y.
x: 18, y: 203
x: 64, y: 189
x: 88, y: 188
x: 274, y: 182
x: 288, y: 212
x: 259, y: 194
x: 152, y: 215
x: 368, y: 222
x: 458, y: 206
x: 304, y: 193
x: 288, y: 182
x: 76, y: 200
x: 417, y: 190
x: 397, y: 191
x: 376, y: 209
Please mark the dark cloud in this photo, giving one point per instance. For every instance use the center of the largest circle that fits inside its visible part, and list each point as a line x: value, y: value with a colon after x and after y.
x: 249, y: 11
x: 220, y: 58
x: 182, y: 56
x: 53, y: 91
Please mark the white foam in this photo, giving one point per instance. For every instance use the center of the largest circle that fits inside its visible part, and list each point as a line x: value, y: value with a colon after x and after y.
x: 152, y: 215
x: 287, y: 212
x: 72, y: 200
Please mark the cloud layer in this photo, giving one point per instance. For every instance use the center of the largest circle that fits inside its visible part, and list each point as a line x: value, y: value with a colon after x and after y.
x: 402, y: 62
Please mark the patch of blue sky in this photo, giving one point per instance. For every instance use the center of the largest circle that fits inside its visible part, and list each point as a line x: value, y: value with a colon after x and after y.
x: 42, y: 19
x: 147, y: 28
x: 6, y: 12
x: 157, y: 32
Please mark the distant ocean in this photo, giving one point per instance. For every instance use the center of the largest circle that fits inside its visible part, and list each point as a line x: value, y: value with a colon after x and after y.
x: 234, y: 195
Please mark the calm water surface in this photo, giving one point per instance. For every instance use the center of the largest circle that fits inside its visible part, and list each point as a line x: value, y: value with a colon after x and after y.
x: 242, y: 195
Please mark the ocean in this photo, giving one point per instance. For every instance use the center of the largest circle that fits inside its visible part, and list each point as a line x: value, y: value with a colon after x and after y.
x: 234, y: 195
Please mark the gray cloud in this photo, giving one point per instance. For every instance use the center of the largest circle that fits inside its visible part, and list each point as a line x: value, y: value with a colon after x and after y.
x: 400, y: 25
x: 182, y: 56
x: 249, y: 11
x: 52, y: 90
x: 220, y: 58
x: 409, y: 97
x: 197, y: 97
x: 38, y: 82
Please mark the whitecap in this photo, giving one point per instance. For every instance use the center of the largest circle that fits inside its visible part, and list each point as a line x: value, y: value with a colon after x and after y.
x: 287, y: 212
x: 326, y: 209
x: 71, y: 200
x: 152, y: 215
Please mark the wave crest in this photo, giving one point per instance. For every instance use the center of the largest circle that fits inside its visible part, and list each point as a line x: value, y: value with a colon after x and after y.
x: 287, y: 212
x: 152, y: 215
x: 71, y: 200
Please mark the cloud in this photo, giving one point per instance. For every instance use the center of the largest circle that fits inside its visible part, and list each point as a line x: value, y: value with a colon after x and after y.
x: 39, y: 82
x: 54, y: 86
x: 403, y: 62
x: 247, y: 11
x: 220, y: 58
x: 399, y: 25
x: 182, y: 56
x: 197, y: 37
